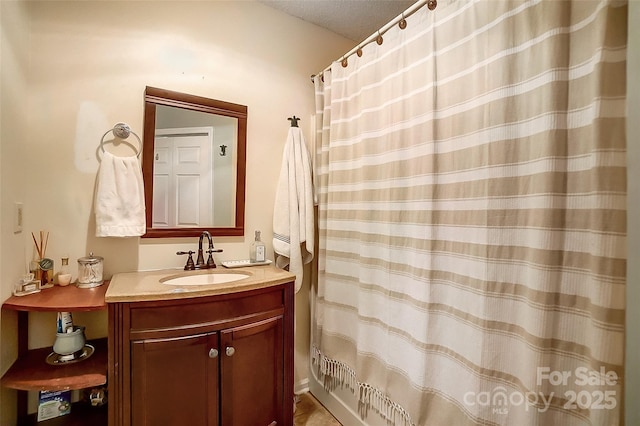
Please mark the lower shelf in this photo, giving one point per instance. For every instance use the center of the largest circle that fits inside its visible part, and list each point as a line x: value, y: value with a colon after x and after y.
x: 82, y: 414
x: 31, y: 372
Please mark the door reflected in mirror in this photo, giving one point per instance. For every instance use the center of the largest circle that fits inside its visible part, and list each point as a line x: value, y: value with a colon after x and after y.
x: 193, y: 165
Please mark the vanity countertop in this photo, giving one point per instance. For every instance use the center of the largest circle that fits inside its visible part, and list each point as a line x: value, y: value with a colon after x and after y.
x: 146, y: 285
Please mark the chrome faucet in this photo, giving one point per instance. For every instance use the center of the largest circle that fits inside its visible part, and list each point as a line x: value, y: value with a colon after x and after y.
x: 200, y: 264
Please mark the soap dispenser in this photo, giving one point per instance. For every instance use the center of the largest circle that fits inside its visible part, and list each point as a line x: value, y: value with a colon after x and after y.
x: 257, y: 252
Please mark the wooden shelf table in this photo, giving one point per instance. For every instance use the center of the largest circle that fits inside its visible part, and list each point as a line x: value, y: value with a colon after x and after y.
x: 30, y: 372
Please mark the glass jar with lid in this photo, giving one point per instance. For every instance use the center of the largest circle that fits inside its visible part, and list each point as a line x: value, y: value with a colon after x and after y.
x: 90, y: 270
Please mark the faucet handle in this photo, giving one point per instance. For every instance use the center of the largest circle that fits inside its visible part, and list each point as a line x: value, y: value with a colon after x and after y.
x: 210, y: 262
x: 190, y: 266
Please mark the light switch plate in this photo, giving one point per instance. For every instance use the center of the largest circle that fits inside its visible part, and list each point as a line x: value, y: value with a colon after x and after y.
x: 18, y: 217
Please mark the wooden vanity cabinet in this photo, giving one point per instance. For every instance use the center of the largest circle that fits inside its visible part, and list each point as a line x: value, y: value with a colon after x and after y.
x: 212, y: 360
x: 251, y: 376
x: 173, y: 381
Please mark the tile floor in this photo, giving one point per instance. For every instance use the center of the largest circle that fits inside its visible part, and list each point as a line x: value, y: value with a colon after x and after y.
x: 309, y: 412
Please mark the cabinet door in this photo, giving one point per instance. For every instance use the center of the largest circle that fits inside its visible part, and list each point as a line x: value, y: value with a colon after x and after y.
x: 175, y: 381
x: 252, y: 360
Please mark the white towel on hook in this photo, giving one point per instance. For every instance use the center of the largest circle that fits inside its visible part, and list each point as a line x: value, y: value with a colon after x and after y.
x: 119, y: 199
x: 293, y: 238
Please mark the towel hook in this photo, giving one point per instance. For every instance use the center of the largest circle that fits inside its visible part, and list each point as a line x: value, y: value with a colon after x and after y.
x: 122, y: 131
x: 294, y: 121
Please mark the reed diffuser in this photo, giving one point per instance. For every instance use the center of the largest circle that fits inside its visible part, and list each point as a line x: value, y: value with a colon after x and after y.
x: 42, y: 267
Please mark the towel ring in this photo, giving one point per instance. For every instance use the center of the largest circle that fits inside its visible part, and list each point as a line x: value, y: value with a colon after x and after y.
x: 122, y: 131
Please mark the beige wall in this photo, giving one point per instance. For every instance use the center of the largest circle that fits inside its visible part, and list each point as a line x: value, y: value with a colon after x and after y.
x: 14, y: 42
x: 71, y: 70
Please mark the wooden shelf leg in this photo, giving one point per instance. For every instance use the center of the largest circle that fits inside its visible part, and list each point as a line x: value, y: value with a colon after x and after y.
x: 22, y: 407
x: 23, y: 348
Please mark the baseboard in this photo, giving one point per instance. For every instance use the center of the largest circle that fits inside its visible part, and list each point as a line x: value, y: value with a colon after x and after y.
x: 332, y: 402
x: 301, y: 387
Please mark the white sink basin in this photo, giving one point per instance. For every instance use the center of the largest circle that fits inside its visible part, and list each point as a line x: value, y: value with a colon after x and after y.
x: 204, y: 279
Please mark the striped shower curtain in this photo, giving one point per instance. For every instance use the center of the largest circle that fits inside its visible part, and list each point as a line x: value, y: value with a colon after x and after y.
x: 472, y: 217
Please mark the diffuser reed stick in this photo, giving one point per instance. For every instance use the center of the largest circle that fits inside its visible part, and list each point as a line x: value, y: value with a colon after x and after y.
x: 36, y: 243
x: 44, y: 267
x: 41, y: 248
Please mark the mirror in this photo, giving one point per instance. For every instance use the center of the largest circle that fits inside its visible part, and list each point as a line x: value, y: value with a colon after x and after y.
x: 193, y: 165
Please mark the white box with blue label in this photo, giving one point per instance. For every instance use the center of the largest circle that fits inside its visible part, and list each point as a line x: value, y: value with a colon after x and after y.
x: 52, y: 404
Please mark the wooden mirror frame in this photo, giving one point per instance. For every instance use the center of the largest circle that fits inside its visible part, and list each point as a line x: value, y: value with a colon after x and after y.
x: 153, y: 97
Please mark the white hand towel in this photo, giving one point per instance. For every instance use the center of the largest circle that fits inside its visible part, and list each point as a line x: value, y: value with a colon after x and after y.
x: 293, y: 237
x: 119, y: 200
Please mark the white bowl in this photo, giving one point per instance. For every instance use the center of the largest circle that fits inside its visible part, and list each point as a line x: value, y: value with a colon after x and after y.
x: 64, y: 279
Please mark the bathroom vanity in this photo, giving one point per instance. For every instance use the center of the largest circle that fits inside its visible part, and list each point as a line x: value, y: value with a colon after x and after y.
x: 201, y: 354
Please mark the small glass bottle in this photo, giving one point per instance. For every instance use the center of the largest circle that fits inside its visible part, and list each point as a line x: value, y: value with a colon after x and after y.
x: 257, y: 252
x: 64, y: 274
x: 64, y: 266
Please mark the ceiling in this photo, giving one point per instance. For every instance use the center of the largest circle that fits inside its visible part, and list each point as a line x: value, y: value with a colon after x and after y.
x: 353, y: 19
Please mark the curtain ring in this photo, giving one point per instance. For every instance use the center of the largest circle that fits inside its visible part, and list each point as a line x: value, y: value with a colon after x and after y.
x: 431, y: 4
x: 344, y: 62
x: 379, y: 39
x: 403, y: 23
x: 359, y: 52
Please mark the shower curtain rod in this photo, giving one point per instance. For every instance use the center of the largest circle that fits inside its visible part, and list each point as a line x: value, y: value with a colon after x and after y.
x: 377, y: 36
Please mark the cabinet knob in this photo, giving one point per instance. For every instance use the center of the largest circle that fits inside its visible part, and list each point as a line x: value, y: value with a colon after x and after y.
x: 213, y: 353
x: 230, y: 351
